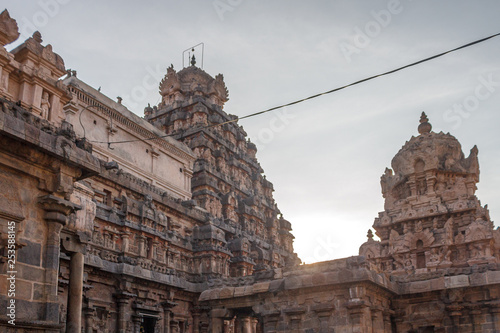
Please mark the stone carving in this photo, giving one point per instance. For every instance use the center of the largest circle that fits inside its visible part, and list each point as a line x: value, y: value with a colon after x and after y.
x: 4, y: 82
x: 45, y: 105
x: 448, y: 229
x: 34, y: 45
x: 170, y: 83
x: 430, y: 181
x: 219, y: 87
x: 9, y: 31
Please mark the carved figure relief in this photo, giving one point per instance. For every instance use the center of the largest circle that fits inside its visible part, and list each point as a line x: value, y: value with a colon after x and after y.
x: 45, y: 105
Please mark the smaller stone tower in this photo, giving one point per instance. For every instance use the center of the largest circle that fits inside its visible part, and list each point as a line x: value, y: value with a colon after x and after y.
x: 432, y: 219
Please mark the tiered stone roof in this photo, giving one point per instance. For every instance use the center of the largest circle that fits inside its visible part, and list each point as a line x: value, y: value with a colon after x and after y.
x: 227, y: 180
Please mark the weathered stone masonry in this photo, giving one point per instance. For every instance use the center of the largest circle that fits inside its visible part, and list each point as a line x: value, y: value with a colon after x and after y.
x: 181, y: 233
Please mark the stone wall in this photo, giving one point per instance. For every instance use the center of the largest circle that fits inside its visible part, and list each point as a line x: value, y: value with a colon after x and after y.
x: 181, y: 234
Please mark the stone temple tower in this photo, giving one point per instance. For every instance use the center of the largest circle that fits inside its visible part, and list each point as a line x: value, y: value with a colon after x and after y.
x: 227, y: 180
x: 432, y: 222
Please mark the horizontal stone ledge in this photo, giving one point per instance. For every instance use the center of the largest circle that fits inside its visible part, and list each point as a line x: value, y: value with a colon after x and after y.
x: 450, y: 282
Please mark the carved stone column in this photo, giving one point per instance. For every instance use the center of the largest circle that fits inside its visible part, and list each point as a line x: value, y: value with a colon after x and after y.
x: 125, y: 241
x: 56, y: 215
x: 245, y: 325
x: 141, y: 244
x: 359, y: 313
x: 270, y: 321
x: 217, y: 325
x: 167, y: 310
x: 455, y: 312
x: 387, y: 322
x: 495, y: 316
x: 324, y: 312
x: 477, y: 318
x: 123, y: 301
x: 75, y: 293
x: 377, y: 320
x: 196, y: 320
x: 217, y: 319
x: 137, y: 320
x: 253, y: 322
x: 89, y: 320
x: 72, y: 244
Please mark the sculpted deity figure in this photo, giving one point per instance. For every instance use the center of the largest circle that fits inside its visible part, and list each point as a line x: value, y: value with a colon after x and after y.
x: 445, y: 254
x: 384, y: 180
x: 4, y: 82
x: 419, y: 227
x: 448, y: 227
x: 434, y: 257
x: 45, y: 105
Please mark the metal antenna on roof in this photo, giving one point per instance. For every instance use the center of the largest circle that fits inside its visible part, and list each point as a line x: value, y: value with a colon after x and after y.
x: 190, y: 57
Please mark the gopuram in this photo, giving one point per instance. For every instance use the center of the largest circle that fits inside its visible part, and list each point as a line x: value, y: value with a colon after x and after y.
x: 110, y: 222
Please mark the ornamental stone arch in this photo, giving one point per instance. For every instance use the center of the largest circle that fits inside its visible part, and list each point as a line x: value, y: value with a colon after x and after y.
x: 426, y: 236
x: 478, y: 230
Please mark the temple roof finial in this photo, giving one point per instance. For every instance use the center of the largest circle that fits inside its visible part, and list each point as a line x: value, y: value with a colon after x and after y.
x: 37, y: 36
x: 425, y: 126
x: 370, y: 235
x: 193, y: 60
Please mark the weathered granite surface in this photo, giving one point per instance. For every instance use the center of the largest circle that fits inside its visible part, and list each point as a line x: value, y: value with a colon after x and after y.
x: 120, y: 229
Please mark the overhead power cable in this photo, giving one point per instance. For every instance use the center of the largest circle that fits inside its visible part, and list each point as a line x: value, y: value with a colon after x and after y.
x: 317, y: 95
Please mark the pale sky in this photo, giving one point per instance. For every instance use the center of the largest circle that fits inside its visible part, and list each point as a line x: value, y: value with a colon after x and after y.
x: 325, y: 156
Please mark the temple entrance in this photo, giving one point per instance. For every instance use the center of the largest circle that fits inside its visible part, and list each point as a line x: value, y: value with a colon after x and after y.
x: 148, y: 325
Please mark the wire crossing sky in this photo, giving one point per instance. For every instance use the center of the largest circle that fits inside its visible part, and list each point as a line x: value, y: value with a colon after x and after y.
x: 317, y: 95
x: 326, y: 157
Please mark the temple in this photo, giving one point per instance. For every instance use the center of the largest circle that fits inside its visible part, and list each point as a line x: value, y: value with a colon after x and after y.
x: 110, y: 222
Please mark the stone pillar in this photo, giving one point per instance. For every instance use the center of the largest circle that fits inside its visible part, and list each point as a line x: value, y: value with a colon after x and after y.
x: 166, y: 320
x: 477, y: 319
x: 245, y: 325
x: 122, y: 321
x: 56, y: 214
x: 167, y: 311
x: 122, y: 301
x: 137, y: 320
x: 37, y: 96
x: 125, y: 241
x: 359, y: 314
x: 387, y: 322
x: 455, y: 313
x: 217, y: 325
x: 495, y: 316
x: 54, y: 227
x: 75, y: 293
x: 55, y: 109
x: 141, y: 244
x: 377, y: 320
x: 270, y: 321
x: 196, y: 321
x: 217, y: 319
x: 358, y: 310
x: 253, y: 323
x: 4, y: 82
x: 154, y: 247
x: 324, y: 312
x: 430, y: 179
x: 89, y: 320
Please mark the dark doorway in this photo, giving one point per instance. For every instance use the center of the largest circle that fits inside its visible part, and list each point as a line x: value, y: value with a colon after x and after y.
x: 148, y: 325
